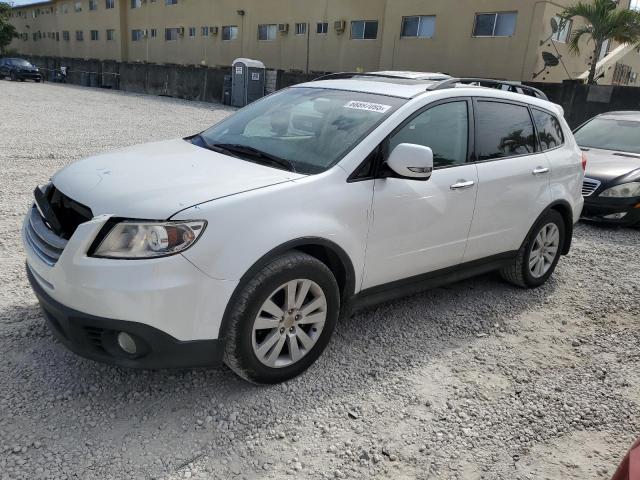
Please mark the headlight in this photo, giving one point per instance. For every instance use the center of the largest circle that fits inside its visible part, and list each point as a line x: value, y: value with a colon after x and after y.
x: 130, y: 239
x: 626, y: 190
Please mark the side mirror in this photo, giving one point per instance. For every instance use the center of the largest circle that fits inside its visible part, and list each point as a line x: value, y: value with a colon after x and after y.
x: 411, y: 161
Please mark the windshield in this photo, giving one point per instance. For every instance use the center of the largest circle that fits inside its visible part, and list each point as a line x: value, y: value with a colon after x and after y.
x: 20, y: 63
x: 609, y: 134
x: 308, y: 128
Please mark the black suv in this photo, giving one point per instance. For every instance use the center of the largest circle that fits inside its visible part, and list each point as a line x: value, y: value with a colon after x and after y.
x: 19, y: 69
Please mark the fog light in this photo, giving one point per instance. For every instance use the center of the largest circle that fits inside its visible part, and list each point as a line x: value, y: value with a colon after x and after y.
x: 615, y: 216
x: 127, y: 343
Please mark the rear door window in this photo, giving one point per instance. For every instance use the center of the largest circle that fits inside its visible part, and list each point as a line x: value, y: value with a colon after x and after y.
x: 549, y: 129
x: 503, y: 130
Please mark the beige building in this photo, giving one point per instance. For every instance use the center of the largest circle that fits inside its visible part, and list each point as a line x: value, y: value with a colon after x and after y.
x: 490, y: 38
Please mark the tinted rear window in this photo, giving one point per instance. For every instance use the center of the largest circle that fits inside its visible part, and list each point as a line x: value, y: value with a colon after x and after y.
x: 503, y: 130
x: 549, y: 130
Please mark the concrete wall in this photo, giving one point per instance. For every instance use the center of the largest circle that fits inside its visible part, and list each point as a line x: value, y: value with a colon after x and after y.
x: 582, y: 102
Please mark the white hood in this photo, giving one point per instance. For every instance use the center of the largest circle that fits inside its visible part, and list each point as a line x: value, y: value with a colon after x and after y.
x: 156, y: 180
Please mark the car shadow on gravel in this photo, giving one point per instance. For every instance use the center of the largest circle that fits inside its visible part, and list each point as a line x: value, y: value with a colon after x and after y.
x: 381, y: 339
x: 212, y: 406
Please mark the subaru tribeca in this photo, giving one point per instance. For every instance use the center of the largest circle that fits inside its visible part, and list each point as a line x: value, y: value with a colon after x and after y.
x: 247, y: 242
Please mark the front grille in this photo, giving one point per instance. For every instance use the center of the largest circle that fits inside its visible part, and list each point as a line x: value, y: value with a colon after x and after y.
x: 47, y: 242
x: 69, y: 213
x: 47, y: 245
x: 589, y: 185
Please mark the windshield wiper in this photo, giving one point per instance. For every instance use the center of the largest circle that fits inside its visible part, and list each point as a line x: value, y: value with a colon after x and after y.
x: 253, y: 153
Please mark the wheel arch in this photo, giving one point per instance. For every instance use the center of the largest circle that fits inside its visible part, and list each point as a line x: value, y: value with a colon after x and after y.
x: 326, y: 251
x: 564, y: 209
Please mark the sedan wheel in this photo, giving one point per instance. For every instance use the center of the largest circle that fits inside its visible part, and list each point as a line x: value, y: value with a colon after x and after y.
x: 289, y: 323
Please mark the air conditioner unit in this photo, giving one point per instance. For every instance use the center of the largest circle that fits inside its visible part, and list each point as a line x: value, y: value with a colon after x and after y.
x: 283, y: 27
x: 213, y: 30
x: 181, y: 31
x: 340, y: 26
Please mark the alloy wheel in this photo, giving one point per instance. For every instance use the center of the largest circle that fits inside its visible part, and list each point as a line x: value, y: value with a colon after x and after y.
x: 289, y: 323
x: 544, y: 250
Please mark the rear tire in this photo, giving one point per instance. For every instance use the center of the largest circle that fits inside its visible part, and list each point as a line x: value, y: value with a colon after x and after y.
x: 282, y: 319
x: 539, y: 254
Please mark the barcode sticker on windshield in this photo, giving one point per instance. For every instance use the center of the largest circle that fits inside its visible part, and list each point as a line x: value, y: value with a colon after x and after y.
x: 370, y: 107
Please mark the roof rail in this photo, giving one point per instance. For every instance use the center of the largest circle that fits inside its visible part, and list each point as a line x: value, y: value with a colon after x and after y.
x: 347, y: 75
x: 490, y: 83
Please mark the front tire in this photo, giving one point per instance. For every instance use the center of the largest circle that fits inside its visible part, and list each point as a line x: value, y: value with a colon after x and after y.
x: 282, y: 319
x: 539, y: 254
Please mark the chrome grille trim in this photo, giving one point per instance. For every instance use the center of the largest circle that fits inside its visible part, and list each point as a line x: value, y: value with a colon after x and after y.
x: 589, y: 185
x: 44, y: 243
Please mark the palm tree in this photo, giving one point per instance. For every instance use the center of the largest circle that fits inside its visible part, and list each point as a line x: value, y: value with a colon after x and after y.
x: 603, y: 22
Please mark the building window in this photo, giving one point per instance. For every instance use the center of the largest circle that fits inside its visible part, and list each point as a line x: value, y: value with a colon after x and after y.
x: 109, y: 4
x: 495, y: 24
x: 267, y: 32
x: 422, y: 26
x: 301, y: 28
x: 322, y: 28
x: 77, y: 7
x: 111, y: 34
x: 65, y: 8
x: 79, y: 35
x: 170, y: 34
x: 154, y: 33
x: 364, y: 29
x: 563, y: 33
x: 170, y: 2
x: 192, y: 32
x: 204, y: 31
x: 57, y: 36
x: 65, y: 35
x: 93, y: 4
x: 605, y: 49
x: 94, y: 35
x: 136, y: 3
x: 137, y: 35
x: 229, y: 32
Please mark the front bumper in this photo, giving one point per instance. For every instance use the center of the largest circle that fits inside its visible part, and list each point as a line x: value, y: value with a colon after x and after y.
x: 169, y: 294
x: 96, y: 338
x: 596, y: 209
x: 28, y: 76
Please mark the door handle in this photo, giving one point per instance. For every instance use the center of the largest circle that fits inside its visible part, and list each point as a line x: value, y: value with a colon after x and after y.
x: 462, y: 184
x: 540, y: 170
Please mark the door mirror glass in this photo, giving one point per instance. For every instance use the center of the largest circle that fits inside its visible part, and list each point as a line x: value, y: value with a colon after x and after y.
x: 411, y: 161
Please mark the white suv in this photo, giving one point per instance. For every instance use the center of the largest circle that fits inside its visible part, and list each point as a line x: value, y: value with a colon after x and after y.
x: 247, y: 242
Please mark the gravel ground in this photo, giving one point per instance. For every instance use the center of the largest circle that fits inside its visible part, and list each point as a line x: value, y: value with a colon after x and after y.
x: 475, y: 380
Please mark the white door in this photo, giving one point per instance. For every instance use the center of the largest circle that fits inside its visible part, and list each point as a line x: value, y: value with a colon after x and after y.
x: 422, y: 226
x: 513, y: 179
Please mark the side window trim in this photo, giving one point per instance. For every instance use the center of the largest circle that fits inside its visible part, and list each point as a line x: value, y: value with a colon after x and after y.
x: 477, y: 100
x: 383, y: 146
